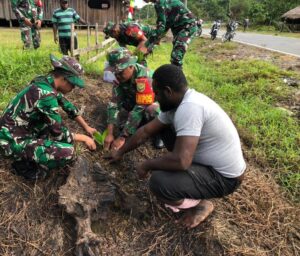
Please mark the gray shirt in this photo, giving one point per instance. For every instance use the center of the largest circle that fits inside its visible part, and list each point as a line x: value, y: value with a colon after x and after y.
x: 219, y: 144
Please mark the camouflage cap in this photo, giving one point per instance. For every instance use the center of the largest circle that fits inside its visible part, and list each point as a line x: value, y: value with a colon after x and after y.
x: 72, y: 67
x: 119, y: 59
x: 108, y: 29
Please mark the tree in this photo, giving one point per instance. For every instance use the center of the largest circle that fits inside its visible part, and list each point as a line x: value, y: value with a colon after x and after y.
x: 258, y: 11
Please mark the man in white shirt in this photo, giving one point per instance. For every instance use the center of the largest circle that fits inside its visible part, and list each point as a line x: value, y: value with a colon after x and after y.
x: 205, y: 158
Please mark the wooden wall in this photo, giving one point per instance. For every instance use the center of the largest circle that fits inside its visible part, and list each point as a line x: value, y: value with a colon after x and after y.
x: 114, y: 13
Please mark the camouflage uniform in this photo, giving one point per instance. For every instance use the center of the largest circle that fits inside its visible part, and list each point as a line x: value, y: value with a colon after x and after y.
x: 28, y: 9
x: 29, y: 121
x: 31, y: 129
x: 172, y: 14
x: 130, y: 32
x: 124, y: 94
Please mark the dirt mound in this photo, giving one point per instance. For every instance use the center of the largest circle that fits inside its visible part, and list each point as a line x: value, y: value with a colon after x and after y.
x: 242, y: 52
x: 255, y: 220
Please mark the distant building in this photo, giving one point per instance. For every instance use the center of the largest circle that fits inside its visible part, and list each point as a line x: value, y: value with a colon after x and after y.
x: 292, y: 19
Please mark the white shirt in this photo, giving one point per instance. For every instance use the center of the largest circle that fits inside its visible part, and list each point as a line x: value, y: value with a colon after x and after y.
x: 219, y: 144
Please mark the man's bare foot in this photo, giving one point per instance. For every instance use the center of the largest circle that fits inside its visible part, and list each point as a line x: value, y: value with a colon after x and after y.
x: 194, y: 216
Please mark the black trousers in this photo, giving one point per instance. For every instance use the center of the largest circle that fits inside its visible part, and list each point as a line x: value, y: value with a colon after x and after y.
x: 65, y: 44
x: 198, y: 182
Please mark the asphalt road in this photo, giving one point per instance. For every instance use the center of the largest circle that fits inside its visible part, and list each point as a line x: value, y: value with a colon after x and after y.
x: 280, y: 44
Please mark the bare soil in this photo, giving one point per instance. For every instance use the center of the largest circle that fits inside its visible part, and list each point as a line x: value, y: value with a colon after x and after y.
x: 255, y: 220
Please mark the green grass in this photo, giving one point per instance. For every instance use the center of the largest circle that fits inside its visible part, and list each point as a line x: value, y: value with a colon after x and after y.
x: 247, y: 89
x: 18, y: 67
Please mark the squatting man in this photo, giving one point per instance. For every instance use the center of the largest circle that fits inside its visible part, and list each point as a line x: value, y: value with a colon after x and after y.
x: 205, y: 158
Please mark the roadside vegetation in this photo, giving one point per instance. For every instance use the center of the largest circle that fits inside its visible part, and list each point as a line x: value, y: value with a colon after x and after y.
x: 259, y: 12
x: 264, y: 16
x: 257, y: 220
x: 247, y: 89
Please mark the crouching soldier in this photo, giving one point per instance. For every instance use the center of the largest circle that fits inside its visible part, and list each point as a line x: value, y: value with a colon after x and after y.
x: 134, y: 93
x: 31, y: 129
x: 29, y: 14
x: 129, y: 33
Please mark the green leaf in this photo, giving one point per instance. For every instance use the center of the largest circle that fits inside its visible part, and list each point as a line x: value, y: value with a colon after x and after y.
x: 100, y: 137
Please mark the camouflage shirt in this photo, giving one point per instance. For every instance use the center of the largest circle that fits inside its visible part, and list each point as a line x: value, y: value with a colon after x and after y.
x: 131, y: 33
x: 123, y: 96
x: 33, y: 113
x: 26, y: 9
x: 171, y: 14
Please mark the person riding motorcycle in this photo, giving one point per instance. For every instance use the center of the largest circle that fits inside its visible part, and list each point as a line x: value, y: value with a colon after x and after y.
x: 214, y: 29
x: 231, y: 27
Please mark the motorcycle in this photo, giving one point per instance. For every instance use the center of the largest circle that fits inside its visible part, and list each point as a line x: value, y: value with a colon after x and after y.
x: 214, y: 29
x: 230, y: 31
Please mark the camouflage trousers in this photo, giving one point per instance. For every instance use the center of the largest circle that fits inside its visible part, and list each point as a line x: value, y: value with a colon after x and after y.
x: 181, y: 40
x: 139, y: 115
x: 30, y: 36
x: 46, y: 153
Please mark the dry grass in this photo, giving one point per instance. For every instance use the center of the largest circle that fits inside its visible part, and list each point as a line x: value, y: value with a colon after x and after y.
x: 255, y: 220
x: 31, y: 222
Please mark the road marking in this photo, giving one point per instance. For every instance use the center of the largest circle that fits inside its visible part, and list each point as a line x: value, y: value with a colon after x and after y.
x: 267, y: 48
x: 259, y: 46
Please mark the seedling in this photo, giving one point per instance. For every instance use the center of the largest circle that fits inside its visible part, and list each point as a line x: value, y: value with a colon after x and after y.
x: 100, y: 137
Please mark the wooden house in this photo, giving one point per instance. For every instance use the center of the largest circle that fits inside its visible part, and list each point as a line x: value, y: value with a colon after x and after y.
x: 116, y: 11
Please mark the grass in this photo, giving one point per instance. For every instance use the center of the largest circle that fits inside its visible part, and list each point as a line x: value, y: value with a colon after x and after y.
x: 19, y: 67
x: 247, y: 89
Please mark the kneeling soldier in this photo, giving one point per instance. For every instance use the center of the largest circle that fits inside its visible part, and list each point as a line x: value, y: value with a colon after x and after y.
x: 134, y: 93
x: 31, y: 129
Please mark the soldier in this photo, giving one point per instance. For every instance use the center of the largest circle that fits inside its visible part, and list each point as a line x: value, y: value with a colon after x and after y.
x: 129, y: 33
x: 29, y: 14
x: 172, y: 14
x: 133, y: 92
x: 62, y: 19
x: 31, y: 129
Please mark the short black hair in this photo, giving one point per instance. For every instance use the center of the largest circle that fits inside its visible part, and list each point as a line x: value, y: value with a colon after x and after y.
x: 170, y: 75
